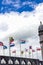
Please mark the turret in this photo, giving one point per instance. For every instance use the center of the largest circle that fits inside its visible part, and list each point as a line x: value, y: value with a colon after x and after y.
x: 40, y: 31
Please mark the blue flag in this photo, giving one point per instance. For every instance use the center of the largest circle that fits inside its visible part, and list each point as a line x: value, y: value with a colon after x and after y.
x: 12, y: 45
x: 22, y: 41
x: 4, y: 47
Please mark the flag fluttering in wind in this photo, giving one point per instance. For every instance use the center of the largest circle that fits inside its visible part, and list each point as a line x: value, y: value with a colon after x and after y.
x: 11, y: 39
x: 22, y: 52
x: 33, y: 50
x: 29, y: 52
x: 30, y: 47
x: 11, y: 42
x: 22, y: 41
x: 14, y: 51
x: 1, y: 43
x: 38, y: 49
x: 4, y: 47
x: 26, y: 49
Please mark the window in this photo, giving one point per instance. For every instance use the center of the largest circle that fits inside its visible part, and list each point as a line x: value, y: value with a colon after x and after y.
x: 3, y: 61
x: 16, y: 62
x: 10, y: 61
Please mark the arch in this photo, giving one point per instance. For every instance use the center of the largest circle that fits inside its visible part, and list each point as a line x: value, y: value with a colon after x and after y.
x: 33, y: 63
x: 10, y: 61
x: 3, y: 61
x: 16, y: 61
x: 23, y: 62
x: 28, y: 63
x: 40, y: 64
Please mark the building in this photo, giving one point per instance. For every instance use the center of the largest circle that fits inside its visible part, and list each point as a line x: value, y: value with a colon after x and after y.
x: 40, y: 30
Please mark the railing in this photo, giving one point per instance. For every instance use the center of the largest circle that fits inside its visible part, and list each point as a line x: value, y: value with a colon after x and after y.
x: 6, y: 60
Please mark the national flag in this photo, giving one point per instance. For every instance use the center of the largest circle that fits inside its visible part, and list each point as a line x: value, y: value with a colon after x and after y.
x: 11, y: 42
x: 1, y: 43
x: 29, y: 52
x: 26, y: 50
x: 30, y: 47
x: 33, y: 50
x: 11, y: 39
x: 38, y: 49
x: 22, y: 41
x: 14, y: 51
x: 22, y: 52
x: 4, y: 47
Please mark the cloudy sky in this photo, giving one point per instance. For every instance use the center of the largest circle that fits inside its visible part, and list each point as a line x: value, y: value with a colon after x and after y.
x: 21, y: 19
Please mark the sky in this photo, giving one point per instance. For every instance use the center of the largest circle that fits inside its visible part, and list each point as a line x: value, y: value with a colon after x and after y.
x: 21, y: 19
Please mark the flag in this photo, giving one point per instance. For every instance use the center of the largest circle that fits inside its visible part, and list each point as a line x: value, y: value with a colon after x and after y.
x: 14, y: 51
x: 26, y: 50
x: 33, y: 50
x: 11, y: 42
x: 38, y: 49
x: 11, y: 39
x: 1, y: 43
x: 30, y: 47
x: 4, y: 47
x: 22, y: 41
x: 22, y: 52
x: 29, y: 52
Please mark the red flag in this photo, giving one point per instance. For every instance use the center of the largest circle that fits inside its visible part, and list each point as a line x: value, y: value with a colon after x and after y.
x: 30, y: 47
x: 1, y: 43
x: 14, y: 51
x: 33, y: 50
x: 38, y: 49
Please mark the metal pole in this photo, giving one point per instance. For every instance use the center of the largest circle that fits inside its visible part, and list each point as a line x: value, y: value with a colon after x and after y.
x: 32, y: 54
x: 37, y: 54
x: 20, y: 50
x: 25, y: 52
x: 9, y: 49
x: 3, y: 52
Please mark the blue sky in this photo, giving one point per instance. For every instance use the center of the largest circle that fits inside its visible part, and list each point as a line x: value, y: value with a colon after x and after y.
x: 21, y: 19
x: 18, y: 5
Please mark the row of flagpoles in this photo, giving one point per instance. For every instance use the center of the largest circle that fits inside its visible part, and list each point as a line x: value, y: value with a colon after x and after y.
x: 30, y: 51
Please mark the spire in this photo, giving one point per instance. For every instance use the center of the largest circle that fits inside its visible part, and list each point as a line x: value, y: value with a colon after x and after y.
x: 40, y: 23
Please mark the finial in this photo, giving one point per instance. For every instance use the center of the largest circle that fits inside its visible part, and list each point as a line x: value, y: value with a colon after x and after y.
x: 40, y: 23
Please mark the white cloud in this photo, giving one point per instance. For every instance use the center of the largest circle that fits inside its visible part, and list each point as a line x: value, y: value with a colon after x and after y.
x: 24, y: 25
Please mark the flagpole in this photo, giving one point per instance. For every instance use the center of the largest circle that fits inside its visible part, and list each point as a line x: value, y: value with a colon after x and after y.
x: 20, y: 50
x: 9, y: 49
x: 25, y: 52
x: 3, y: 51
x: 29, y: 53
x: 36, y: 53
x: 32, y: 54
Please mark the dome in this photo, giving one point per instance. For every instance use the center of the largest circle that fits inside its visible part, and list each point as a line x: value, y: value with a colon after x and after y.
x: 40, y: 27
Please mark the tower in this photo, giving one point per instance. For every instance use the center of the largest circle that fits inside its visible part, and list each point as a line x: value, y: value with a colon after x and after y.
x: 40, y: 30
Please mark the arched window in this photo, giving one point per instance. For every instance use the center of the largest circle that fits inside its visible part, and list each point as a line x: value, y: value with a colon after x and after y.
x: 33, y: 63
x: 10, y: 61
x: 40, y: 63
x: 16, y: 62
x: 23, y: 62
x: 28, y: 63
x: 3, y: 61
